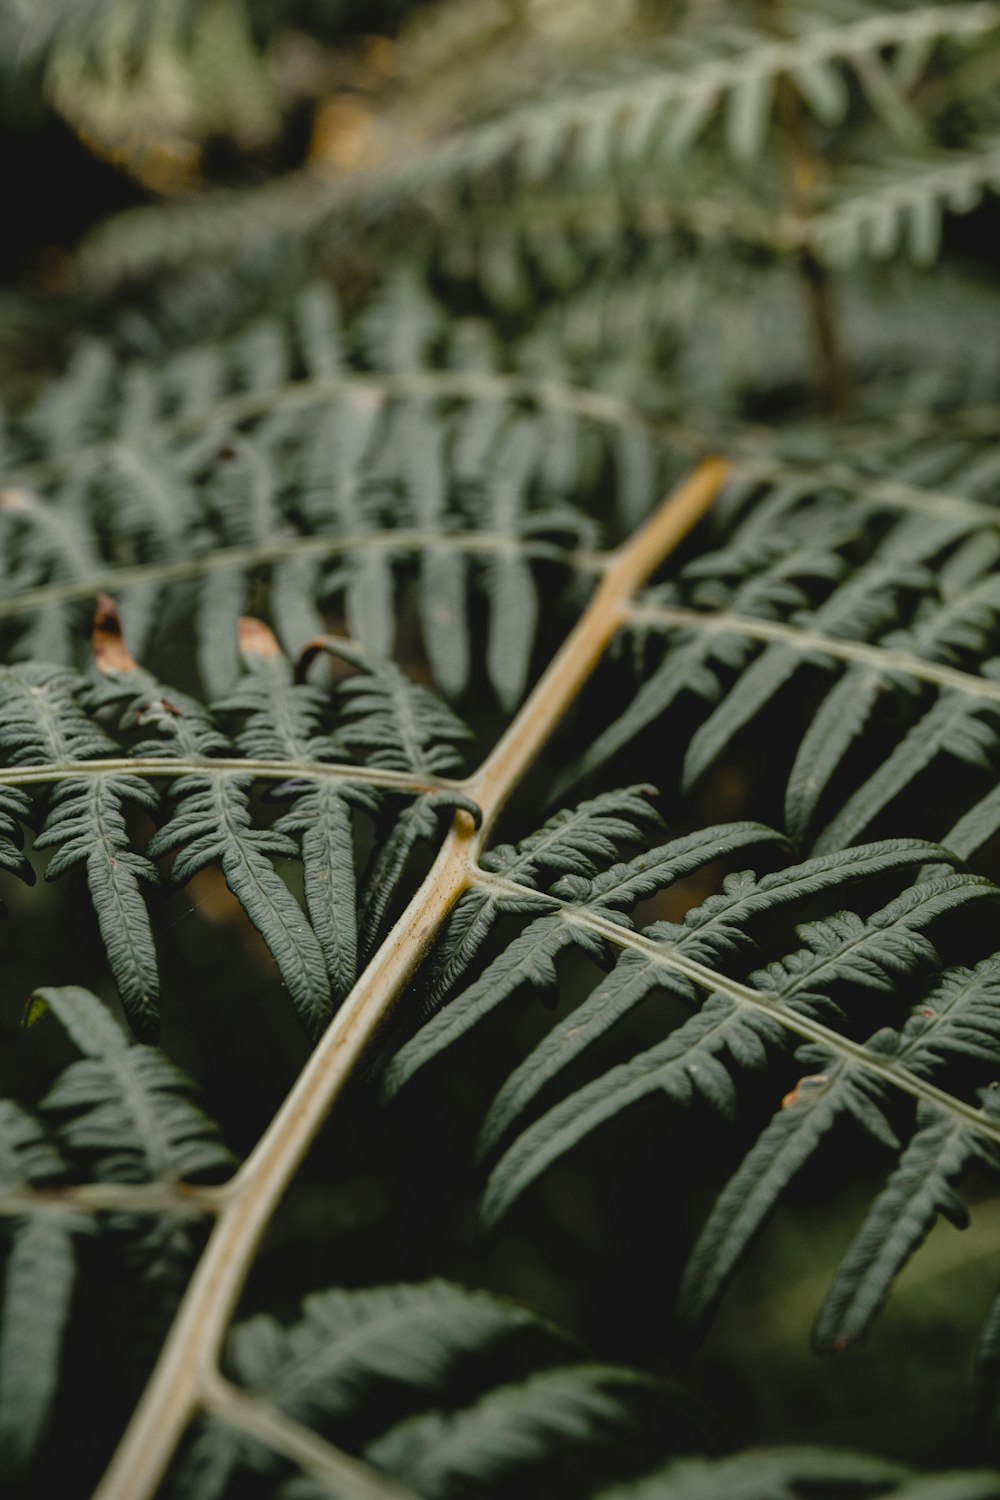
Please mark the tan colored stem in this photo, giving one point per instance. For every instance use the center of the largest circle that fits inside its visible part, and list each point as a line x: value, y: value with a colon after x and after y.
x: 886, y: 661
x: 316, y: 1457
x: 187, y: 1370
x: 185, y: 1200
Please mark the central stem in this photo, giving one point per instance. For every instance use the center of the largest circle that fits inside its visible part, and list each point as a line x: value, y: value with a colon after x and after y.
x: 187, y: 1369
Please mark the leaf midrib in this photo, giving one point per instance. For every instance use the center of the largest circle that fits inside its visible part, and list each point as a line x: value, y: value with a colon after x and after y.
x: 742, y: 994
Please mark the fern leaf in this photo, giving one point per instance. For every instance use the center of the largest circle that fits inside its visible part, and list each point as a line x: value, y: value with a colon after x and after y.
x: 394, y: 724
x: 39, y: 1277
x: 900, y: 206
x: 670, y: 106
x: 794, y: 1473
x: 683, y: 1067
x: 921, y: 1188
x: 752, y: 578
x: 959, y: 1018
x: 41, y: 718
x: 512, y: 1433
x: 840, y: 950
x: 349, y: 1345
x: 861, y: 609
x: 388, y: 720
x: 222, y: 601
x: 419, y: 821
x: 847, y: 708
x: 333, y: 468
x: 123, y: 1106
x: 783, y: 1149
x: 350, y: 1352
x: 211, y: 823
x: 15, y: 810
x: 282, y: 721
x: 509, y: 580
x: 956, y: 1018
x: 321, y: 817
x: 280, y: 718
x: 86, y: 825
x: 720, y: 926
x: 416, y: 444
x: 636, y: 974
x: 42, y: 721
x: 578, y: 841
x: 529, y: 959
x: 38, y: 1285
x: 976, y: 827
x: 955, y: 726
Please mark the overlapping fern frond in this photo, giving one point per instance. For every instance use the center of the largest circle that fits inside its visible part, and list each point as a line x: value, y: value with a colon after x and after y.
x: 268, y: 467
x: 80, y: 757
x: 882, y: 604
x: 815, y: 997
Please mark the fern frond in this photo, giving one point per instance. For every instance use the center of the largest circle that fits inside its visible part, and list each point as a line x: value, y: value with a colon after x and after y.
x: 741, y: 1023
x: 282, y: 720
x: 446, y: 1368
x: 575, y: 841
x: 901, y: 206
x: 86, y: 824
x: 748, y: 621
x: 921, y: 1189
x: 514, y: 1433
x: 121, y: 1116
x: 954, y: 1022
x: 585, y: 914
x: 263, y: 458
x: 389, y: 721
x: 211, y: 823
x: 710, y: 932
x: 956, y: 728
x: 15, y: 809
x: 794, y: 1473
x: 42, y: 722
x: 665, y: 106
x: 796, y: 993
x: 39, y: 1276
x: 530, y: 957
x: 396, y: 725
x: 407, y: 417
x: 391, y: 733
x: 124, y: 1107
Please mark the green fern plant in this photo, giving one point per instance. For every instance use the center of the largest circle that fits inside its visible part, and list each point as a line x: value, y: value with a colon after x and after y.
x: 354, y: 617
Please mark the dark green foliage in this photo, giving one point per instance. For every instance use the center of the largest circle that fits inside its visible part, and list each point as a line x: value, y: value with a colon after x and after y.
x: 914, y: 624
x: 430, y: 1382
x: 50, y: 715
x: 270, y: 457
x: 353, y: 448
x: 120, y: 1113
